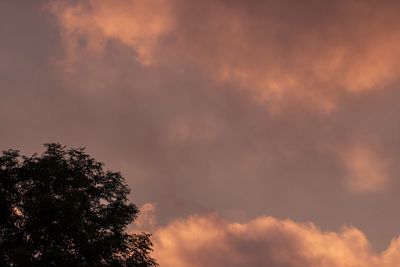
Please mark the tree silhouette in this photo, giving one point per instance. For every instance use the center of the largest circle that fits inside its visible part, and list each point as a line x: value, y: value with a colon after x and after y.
x: 62, y: 209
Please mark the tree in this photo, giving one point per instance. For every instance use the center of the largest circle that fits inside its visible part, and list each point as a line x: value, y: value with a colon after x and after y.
x: 62, y: 209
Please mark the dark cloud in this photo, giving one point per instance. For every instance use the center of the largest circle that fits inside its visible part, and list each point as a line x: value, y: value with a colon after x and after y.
x: 244, y: 108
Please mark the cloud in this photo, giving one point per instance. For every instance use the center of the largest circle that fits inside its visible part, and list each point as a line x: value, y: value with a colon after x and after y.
x: 280, y: 51
x: 192, y: 140
x: 367, y: 171
x: 146, y: 219
x: 200, y: 241
x: 91, y: 24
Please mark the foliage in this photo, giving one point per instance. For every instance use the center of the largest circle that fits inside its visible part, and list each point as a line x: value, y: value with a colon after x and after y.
x: 62, y: 209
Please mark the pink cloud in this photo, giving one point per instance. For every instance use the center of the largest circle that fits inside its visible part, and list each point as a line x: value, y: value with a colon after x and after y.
x: 200, y: 241
x: 281, y: 51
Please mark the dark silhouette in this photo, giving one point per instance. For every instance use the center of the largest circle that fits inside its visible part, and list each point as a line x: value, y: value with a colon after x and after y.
x: 62, y: 209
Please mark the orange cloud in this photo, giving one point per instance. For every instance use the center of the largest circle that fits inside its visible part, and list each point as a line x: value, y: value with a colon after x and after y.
x: 210, y: 241
x: 279, y: 51
x: 146, y: 219
x: 91, y: 24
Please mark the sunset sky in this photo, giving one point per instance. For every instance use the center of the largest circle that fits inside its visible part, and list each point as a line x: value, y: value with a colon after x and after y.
x: 251, y: 132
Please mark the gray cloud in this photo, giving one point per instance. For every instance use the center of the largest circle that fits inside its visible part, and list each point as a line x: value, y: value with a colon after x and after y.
x: 193, y: 141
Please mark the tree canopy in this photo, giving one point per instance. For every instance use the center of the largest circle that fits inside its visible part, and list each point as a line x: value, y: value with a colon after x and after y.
x: 61, y: 208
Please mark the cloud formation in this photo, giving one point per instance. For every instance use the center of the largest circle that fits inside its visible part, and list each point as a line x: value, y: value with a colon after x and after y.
x: 281, y: 51
x: 179, y: 119
x: 146, y: 219
x: 201, y: 241
x: 91, y: 24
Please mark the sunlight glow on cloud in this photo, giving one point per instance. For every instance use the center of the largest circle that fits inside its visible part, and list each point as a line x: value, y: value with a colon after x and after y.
x: 200, y: 241
x: 146, y: 219
x: 137, y: 24
x: 311, y: 54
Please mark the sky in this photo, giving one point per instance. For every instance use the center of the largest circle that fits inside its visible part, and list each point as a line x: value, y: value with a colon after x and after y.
x: 252, y: 133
